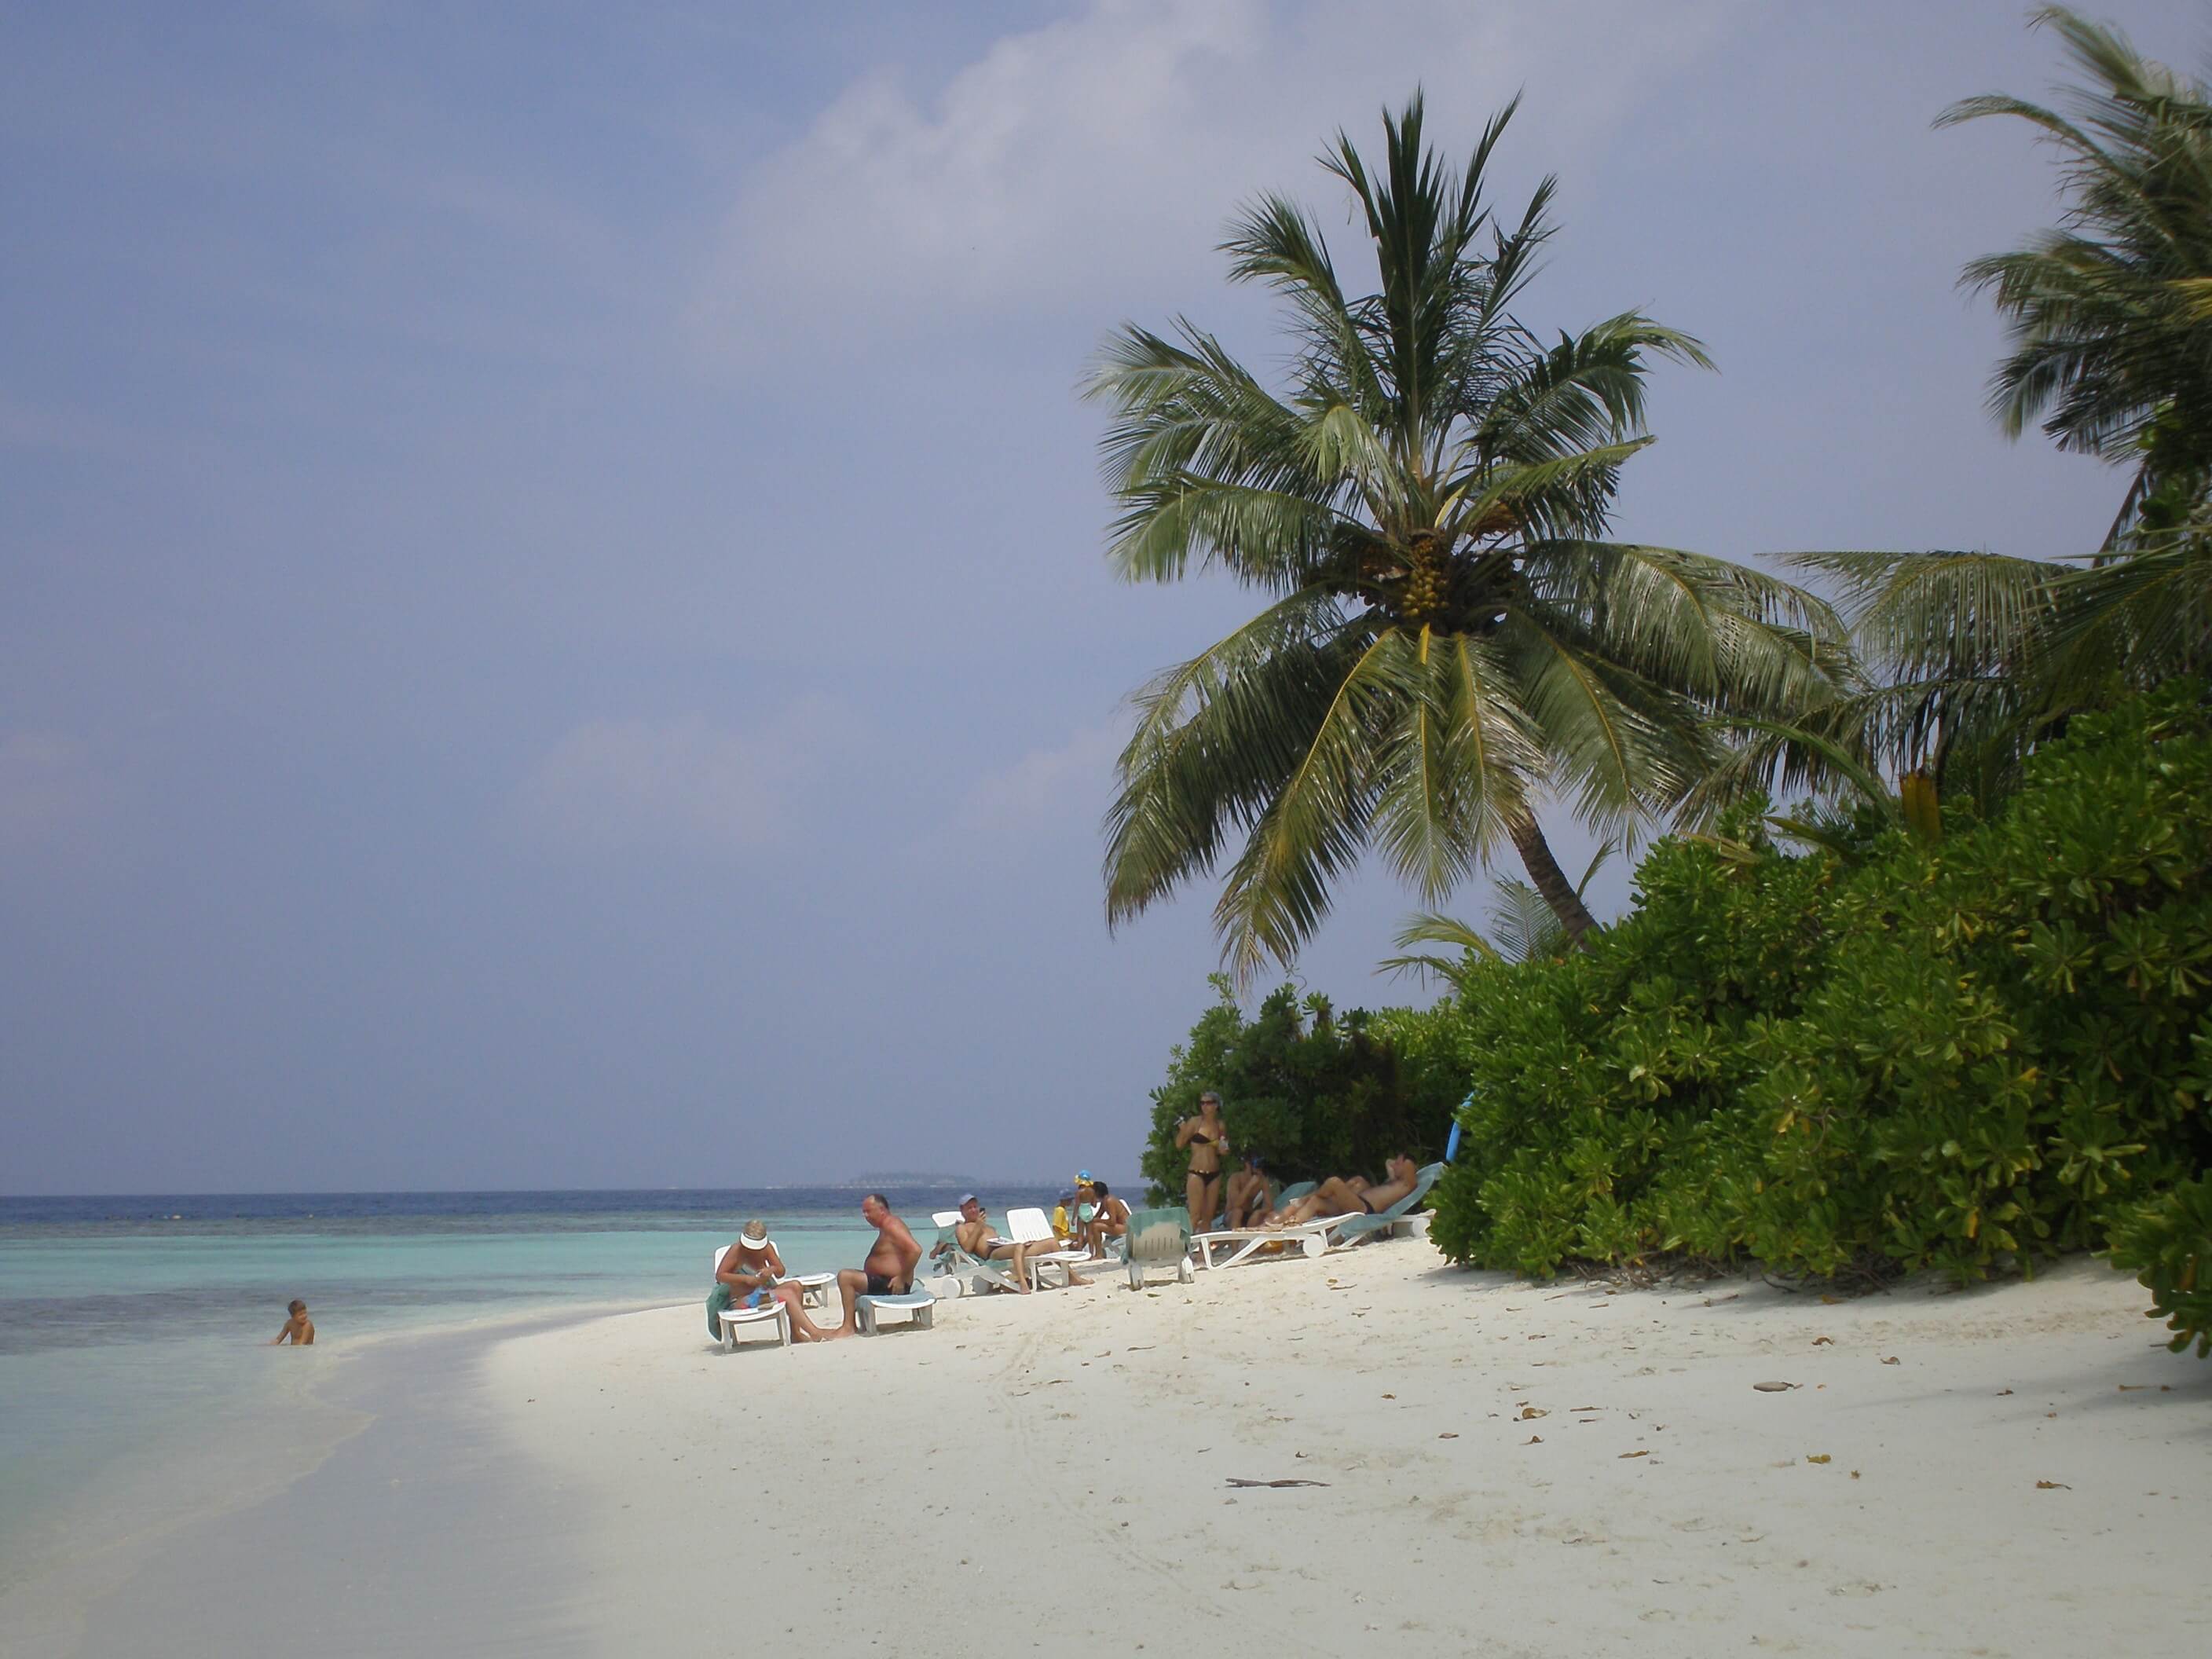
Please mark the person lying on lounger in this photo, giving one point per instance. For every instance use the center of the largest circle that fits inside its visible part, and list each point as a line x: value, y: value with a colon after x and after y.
x: 1342, y: 1195
x: 752, y: 1269
x: 974, y: 1233
x: 1251, y: 1194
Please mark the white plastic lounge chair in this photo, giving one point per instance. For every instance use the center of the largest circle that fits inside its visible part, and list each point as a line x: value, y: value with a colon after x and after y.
x: 1028, y: 1226
x: 734, y: 1318
x: 1244, y: 1244
x: 1158, y: 1238
x: 813, y: 1288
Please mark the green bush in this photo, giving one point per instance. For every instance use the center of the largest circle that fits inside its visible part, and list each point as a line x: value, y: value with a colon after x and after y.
x: 2169, y: 1240
x: 1963, y: 1056
x: 1313, y: 1093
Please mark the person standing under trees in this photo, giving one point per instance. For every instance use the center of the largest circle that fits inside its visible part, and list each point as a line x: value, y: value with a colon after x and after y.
x: 1206, y: 1139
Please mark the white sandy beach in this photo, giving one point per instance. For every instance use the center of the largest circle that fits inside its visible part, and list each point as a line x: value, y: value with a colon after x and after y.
x: 1502, y: 1469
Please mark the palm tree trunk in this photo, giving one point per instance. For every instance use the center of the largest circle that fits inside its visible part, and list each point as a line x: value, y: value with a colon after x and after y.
x: 1551, y: 881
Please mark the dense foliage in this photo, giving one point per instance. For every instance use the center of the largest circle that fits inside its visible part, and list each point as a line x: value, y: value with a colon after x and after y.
x: 1959, y: 1056
x: 1314, y: 1094
x: 2170, y: 1240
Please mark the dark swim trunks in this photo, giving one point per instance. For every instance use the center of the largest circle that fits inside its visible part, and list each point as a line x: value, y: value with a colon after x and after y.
x: 879, y: 1286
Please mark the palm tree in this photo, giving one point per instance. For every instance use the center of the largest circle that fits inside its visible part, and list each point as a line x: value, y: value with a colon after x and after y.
x: 2110, y: 316
x: 1973, y: 656
x: 1522, y: 928
x: 1449, y: 646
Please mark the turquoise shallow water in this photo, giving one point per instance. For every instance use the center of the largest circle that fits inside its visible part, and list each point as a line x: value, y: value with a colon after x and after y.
x: 133, y: 1331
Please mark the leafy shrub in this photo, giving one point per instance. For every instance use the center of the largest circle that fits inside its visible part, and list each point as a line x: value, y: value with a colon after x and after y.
x: 1963, y: 1056
x: 2169, y: 1241
x: 1312, y: 1093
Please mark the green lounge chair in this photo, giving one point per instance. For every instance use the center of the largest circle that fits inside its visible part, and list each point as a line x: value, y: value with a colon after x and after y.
x: 1158, y: 1238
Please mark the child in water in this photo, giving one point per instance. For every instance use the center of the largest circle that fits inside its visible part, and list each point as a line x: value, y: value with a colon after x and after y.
x: 299, y: 1330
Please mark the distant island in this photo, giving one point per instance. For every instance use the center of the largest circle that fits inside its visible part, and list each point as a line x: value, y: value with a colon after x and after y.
x: 891, y: 1178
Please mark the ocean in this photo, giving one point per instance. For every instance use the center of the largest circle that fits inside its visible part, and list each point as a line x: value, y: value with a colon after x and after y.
x: 133, y: 1361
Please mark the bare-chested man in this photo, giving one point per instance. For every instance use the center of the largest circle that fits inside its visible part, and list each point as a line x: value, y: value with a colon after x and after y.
x: 974, y: 1233
x: 1339, y: 1196
x: 889, y: 1270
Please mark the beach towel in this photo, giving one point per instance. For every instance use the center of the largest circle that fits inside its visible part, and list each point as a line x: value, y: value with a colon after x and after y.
x: 717, y: 1299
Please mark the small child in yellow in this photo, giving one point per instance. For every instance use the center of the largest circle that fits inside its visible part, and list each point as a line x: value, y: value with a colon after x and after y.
x: 299, y: 1330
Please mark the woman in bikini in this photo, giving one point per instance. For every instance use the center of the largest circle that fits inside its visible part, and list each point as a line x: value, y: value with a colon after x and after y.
x: 1338, y: 1195
x: 1207, y: 1138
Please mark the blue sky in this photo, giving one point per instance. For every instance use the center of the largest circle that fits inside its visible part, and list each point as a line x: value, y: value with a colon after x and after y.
x: 552, y: 628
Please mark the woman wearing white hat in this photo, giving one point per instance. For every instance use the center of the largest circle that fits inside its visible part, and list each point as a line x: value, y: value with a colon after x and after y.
x: 751, y: 1268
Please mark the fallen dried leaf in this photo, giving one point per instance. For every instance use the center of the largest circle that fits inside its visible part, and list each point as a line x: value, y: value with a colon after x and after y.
x: 1830, y: 1301
x: 2052, y: 1486
x: 1389, y: 1396
x: 1635, y: 1453
x: 1527, y: 1412
x: 1824, y: 1341
x: 2002, y: 1393
x: 1892, y: 1360
x: 1776, y: 1387
x: 2133, y: 1388
x: 1448, y: 1435
x: 1816, y: 1457
x: 1855, y: 1475
x: 1534, y: 1440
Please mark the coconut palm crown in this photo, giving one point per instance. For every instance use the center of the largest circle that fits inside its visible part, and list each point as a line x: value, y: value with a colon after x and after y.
x: 2110, y: 314
x: 1449, y: 644
x: 1974, y: 656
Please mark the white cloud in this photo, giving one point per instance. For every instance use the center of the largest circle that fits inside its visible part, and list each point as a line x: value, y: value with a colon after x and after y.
x: 49, y: 790
x: 1068, y: 783
x: 1093, y: 162
x: 685, y: 786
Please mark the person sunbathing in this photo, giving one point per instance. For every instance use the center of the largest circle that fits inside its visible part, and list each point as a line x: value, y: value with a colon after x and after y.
x: 754, y: 1271
x: 1342, y: 1195
x: 1251, y: 1194
x: 973, y: 1233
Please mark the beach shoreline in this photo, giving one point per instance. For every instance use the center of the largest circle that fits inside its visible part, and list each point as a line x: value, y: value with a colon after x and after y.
x: 190, y: 1502
x: 1499, y: 1466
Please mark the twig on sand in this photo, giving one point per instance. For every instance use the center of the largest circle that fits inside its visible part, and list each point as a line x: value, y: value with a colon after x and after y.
x: 1234, y: 1481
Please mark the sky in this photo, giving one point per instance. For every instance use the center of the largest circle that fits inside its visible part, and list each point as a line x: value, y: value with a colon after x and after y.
x: 553, y: 624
